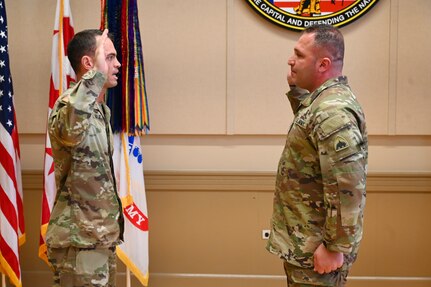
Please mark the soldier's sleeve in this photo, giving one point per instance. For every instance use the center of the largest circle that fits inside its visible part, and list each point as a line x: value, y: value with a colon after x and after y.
x: 343, y: 160
x: 295, y: 96
x: 70, y: 119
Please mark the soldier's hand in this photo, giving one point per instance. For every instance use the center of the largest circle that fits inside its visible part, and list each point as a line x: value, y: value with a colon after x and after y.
x: 100, y: 58
x: 326, y: 261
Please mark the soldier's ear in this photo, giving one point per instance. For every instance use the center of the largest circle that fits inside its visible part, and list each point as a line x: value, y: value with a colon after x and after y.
x: 325, y: 64
x: 87, y: 62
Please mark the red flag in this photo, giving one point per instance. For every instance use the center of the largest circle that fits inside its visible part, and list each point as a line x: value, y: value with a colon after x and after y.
x: 12, y: 233
x: 61, y: 75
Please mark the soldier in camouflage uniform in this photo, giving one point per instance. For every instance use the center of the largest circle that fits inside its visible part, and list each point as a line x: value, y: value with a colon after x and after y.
x: 320, y: 187
x: 86, y: 222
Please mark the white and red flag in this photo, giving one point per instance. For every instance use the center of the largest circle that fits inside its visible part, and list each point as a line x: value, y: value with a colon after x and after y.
x: 61, y: 76
x: 129, y: 173
x: 12, y: 233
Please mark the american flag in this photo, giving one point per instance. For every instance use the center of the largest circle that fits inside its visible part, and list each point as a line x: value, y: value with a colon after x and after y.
x: 61, y: 76
x: 12, y: 233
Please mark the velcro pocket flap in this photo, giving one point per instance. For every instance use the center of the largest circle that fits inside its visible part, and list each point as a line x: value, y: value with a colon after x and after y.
x: 332, y: 125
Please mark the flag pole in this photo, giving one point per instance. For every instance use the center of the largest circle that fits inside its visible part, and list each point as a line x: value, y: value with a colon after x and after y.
x: 128, y: 284
x: 3, y: 280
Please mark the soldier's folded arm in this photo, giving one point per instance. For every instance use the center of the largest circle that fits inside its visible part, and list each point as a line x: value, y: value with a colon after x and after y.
x: 69, y: 121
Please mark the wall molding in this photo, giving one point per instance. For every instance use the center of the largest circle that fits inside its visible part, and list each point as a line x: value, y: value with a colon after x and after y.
x: 362, y: 279
x: 412, y: 182
x: 242, y: 279
x: 188, y: 279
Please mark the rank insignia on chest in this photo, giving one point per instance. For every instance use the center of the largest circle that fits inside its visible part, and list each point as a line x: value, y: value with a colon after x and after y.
x: 340, y: 144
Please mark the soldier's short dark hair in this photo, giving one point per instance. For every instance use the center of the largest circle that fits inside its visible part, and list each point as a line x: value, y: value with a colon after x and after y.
x: 328, y: 37
x: 82, y: 44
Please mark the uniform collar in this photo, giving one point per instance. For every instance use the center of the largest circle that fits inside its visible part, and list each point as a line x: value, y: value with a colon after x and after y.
x: 329, y: 83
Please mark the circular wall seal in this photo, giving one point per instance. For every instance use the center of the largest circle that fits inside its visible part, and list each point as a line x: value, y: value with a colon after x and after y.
x: 299, y: 14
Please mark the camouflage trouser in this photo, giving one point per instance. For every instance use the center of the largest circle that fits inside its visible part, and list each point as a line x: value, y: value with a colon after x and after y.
x: 80, y: 267
x: 306, y: 277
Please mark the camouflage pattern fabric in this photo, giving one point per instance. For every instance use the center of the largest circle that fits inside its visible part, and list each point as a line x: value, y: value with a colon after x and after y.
x: 87, y: 212
x: 76, y: 267
x: 306, y: 277
x: 320, y: 186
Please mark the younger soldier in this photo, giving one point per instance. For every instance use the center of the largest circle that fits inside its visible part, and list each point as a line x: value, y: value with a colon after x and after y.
x: 86, y: 222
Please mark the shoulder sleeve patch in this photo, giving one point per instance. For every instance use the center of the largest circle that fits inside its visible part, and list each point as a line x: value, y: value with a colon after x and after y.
x: 340, y: 143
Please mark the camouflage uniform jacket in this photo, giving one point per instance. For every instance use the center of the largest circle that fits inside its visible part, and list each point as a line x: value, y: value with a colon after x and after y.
x: 87, y: 211
x: 320, y: 185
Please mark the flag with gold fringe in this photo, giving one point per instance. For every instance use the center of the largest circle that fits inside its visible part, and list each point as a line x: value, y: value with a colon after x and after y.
x: 129, y: 120
x: 61, y: 76
x: 128, y: 100
x: 12, y: 233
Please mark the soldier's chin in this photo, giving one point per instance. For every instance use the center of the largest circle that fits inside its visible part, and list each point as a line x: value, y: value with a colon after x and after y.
x: 113, y: 83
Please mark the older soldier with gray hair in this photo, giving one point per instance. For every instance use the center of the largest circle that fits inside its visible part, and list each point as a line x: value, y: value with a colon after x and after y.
x: 320, y: 187
x: 86, y: 222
